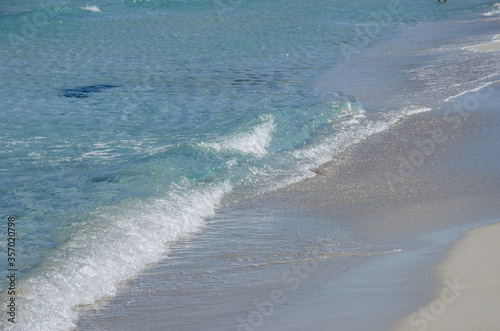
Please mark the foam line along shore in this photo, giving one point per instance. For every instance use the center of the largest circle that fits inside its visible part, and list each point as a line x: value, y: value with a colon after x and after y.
x: 128, y: 125
x: 379, y: 195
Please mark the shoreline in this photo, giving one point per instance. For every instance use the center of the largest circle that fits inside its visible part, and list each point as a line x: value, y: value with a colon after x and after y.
x: 487, y: 47
x: 469, y: 296
x: 380, y: 290
x: 168, y: 204
x: 446, y: 191
x: 446, y: 194
x: 432, y: 172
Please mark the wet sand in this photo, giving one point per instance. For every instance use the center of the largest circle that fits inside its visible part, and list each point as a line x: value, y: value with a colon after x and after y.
x: 376, y: 219
x: 488, y: 47
x: 409, y: 191
x: 431, y: 171
x: 469, y: 296
x: 434, y: 173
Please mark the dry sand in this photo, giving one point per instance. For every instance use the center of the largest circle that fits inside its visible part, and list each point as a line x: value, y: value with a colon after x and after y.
x: 469, y: 298
x: 488, y: 47
x: 433, y: 171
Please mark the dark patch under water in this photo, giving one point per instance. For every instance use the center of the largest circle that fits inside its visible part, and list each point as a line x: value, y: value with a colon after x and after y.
x: 84, y: 91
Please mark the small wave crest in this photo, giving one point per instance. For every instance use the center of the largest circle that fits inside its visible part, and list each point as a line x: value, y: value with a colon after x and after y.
x: 255, y: 141
x: 108, y: 250
x: 351, y: 128
x: 93, y: 8
x: 118, y: 242
x: 495, y: 11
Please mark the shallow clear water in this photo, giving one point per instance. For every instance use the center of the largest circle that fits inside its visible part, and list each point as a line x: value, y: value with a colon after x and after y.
x: 124, y: 124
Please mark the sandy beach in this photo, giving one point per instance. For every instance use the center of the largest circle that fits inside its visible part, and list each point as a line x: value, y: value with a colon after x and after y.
x: 488, y: 47
x: 250, y: 165
x: 469, y: 296
x: 356, y: 246
x: 420, y: 185
x: 454, y: 187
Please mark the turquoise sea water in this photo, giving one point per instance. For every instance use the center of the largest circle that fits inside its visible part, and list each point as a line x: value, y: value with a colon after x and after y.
x: 124, y: 124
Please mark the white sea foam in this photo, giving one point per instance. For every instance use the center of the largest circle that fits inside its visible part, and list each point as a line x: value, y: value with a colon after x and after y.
x: 254, y: 141
x: 351, y: 127
x: 117, y: 244
x: 93, y: 8
x: 351, y: 132
x: 412, y: 111
x: 101, y: 154
x: 495, y: 11
x: 106, y: 251
x: 472, y: 90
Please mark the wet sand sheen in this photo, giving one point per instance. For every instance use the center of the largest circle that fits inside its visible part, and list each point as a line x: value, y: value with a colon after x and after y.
x: 454, y: 184
x: 399, y: 181
x: 431, y: 172
x: 394, y: 191
x: 470, y: 294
